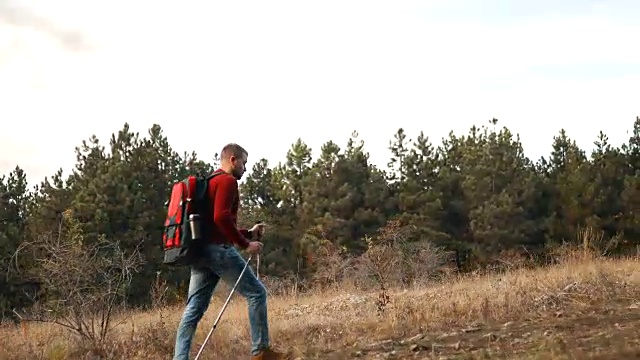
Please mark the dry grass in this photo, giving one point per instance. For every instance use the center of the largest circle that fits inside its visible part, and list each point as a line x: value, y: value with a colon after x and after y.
x: 340, y: 323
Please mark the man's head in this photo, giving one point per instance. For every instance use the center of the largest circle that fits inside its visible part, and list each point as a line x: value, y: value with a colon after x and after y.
x: 233, y: 160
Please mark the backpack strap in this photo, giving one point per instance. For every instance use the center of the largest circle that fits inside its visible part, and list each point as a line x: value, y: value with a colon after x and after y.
x: 191, y: 194
x: 214, y: 174
x: 200, y: 190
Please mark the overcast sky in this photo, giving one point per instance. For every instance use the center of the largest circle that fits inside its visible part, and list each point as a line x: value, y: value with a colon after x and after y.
x: 263, y: 73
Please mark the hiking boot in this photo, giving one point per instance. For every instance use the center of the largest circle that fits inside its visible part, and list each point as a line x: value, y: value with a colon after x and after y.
x: 268, y: 354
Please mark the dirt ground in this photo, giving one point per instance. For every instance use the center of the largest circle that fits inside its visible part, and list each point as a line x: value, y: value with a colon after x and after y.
x: 609, y: 332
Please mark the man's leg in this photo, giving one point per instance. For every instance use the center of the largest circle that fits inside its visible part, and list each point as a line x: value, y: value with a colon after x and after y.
x: 201, y: 286
x: 254, y: 291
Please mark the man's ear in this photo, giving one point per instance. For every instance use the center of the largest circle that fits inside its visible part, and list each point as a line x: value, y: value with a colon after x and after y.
x: 232, y: 159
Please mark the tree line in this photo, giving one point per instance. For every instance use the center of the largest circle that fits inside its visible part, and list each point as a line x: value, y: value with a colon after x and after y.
x: 475, y: 196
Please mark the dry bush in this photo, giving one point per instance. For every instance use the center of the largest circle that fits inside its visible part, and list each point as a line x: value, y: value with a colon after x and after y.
x: 397, y: 257
x: 331, y: 264
x: 588, y: 244
x: 159, y: 292
x: 83, y: 283
x: 422, y: 261
x: 594, y: 241
x: 288, y: 285
x: 508, y: 260
x: 381, y: 262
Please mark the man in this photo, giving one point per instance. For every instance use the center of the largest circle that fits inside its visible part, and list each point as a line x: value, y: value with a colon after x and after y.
x: 220, y: 260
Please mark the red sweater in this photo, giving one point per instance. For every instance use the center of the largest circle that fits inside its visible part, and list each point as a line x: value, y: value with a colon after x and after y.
x: 224, y: 196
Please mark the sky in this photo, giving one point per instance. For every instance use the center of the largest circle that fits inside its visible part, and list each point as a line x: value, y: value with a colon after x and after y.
x: 265, y: 73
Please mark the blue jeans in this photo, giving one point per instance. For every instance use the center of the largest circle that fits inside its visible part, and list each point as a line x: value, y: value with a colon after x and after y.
x: 222, y: 262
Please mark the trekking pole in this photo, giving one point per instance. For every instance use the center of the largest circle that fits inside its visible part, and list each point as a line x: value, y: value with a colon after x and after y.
x: 258, y: 256
x: 258, y: 267
x: 215, y: 324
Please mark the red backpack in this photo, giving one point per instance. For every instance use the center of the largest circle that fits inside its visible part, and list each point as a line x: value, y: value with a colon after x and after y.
x: 183, y: 229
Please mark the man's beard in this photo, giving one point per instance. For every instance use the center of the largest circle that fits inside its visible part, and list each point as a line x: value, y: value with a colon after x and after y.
x: 237, y: 174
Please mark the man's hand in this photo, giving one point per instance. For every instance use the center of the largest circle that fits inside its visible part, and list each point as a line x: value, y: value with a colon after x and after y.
x: 257, y: 231
x: 255, y: 247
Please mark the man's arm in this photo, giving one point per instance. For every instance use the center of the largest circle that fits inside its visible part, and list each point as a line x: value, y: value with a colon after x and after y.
x: 226, y: 193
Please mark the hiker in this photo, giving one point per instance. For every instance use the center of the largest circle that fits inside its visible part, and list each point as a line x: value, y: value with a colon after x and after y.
x: 221, y: 260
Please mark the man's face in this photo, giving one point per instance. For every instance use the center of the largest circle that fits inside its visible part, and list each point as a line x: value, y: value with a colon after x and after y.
x: 239, y: 166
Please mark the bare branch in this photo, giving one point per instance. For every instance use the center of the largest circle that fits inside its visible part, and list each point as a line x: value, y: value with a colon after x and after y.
x: 82, y: 281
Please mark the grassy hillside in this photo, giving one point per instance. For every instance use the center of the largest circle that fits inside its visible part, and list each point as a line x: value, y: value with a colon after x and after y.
x: 585, y: 306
